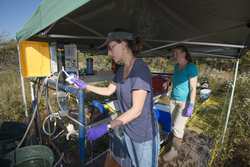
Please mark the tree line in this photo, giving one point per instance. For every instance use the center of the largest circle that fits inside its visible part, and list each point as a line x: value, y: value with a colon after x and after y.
x: 9, y: 58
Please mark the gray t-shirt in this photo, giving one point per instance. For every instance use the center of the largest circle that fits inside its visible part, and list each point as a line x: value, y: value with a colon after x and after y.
x: 145, y: 126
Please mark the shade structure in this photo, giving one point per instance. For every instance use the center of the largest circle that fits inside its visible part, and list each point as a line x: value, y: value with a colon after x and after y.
x: 208, y: 28
x: 214, y: 28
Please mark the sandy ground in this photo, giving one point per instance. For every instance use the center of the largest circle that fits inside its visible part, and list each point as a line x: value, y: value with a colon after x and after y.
x: 196, y: 151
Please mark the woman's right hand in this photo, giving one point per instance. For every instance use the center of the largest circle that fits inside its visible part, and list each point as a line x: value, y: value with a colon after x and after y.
x: 78, y: 82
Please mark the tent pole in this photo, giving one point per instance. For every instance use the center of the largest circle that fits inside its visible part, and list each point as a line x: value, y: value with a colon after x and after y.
x: 43, y: 33
x: 186, y: 40
x: 23, y: 91
x: 199, y: 43
x: 149, y: 40
x: 72, y: 36
x: 155, y: 51
x: 83, y: 26
x: 235, y: 77
x: 196, y: 54
x: 231, y: 99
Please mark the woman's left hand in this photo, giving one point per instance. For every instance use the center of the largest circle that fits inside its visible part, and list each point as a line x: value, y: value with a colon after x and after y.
x: 189, y: 111
x: 97, y: 132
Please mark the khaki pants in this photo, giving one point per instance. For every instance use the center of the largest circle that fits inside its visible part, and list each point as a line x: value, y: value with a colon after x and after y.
x: 178, y: 118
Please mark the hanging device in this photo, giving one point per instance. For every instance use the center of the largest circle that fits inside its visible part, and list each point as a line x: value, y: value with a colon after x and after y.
x: 61, y: 95
x: 70, y: 52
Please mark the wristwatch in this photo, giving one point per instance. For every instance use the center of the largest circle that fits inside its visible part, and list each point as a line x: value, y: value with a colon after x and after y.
x: 109, y: 126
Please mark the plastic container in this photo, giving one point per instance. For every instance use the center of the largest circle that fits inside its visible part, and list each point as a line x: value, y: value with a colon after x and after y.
x: 160, y: 85
x: 29, y: 156
x: 205, y: 94
x: 100, y: 106
x: 35, y: 58
x: 113, y: 105
x: 11, y: 133
x: 110, y: 109
x: 163, y: 116
x: 89, y: 66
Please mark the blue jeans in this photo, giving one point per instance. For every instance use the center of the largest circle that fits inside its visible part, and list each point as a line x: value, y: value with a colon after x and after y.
x: 143, y: 154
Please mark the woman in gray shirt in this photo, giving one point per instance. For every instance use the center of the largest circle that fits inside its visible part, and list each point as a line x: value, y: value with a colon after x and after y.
x: 133, y: 84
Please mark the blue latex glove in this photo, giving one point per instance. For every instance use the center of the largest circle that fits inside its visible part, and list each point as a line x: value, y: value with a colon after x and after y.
x: 78, y: 82
x: 161, y: 76
x: 189, y: 111
x: 97, y: 132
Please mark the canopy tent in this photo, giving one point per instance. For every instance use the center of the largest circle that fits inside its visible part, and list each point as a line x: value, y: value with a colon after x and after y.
x: 213, y: 28
x: 208, y: 28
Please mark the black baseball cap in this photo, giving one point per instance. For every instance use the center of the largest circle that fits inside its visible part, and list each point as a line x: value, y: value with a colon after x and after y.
x: 116, y: 35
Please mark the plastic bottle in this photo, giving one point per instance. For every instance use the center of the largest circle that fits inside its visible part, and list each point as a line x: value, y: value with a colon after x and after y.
x: 89, y: 66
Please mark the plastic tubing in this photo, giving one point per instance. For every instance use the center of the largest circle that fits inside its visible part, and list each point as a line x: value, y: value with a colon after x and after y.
x: 59, y: 160
x: 47, y: 133
x: 60, y: 105
x: 53, y: 114
x: 32, y: 119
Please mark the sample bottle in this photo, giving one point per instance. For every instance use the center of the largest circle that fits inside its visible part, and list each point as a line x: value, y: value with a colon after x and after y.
x: 89, y: 66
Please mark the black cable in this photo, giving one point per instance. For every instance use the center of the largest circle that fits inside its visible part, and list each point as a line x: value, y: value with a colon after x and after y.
x: 74, y: 66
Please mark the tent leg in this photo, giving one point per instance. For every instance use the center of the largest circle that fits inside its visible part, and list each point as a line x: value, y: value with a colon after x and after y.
x: 231, y: 100
x: 23, y: 91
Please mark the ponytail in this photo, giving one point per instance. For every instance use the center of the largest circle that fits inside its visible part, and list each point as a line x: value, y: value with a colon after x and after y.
x: 135, y: 45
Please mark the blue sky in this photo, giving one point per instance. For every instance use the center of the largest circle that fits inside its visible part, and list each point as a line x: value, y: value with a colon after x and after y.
x: 15, y: 13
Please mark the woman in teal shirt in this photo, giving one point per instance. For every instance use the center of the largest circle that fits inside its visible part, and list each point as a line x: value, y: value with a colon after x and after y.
x: 182, y: 97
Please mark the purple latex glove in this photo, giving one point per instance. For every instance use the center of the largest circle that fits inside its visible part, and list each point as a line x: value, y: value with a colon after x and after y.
x: 97, y: 132
x: 189, y: 111
x: 78, y: 82
x: 161, y: 76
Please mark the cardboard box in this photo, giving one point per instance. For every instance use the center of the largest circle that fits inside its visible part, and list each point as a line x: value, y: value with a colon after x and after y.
x: 103, y: 72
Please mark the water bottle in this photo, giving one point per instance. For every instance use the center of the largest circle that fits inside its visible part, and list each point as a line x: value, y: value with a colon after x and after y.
x: 89, y: 66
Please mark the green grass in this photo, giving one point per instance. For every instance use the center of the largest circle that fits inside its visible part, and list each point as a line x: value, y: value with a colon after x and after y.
x: 210, y: 118
x: 236, y: 146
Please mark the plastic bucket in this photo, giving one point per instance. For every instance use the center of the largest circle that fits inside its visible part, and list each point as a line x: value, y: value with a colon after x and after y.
x: 29, y: 156
x: 205, y: 94
x: 11, y: 133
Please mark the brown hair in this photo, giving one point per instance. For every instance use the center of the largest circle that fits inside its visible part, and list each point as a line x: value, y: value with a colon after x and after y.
x: 134, y: 45
x: 188, y: 56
